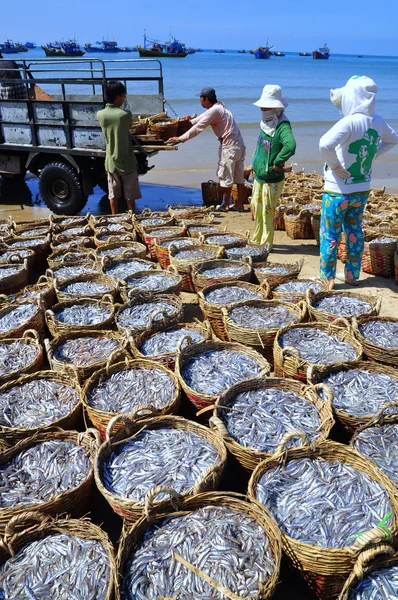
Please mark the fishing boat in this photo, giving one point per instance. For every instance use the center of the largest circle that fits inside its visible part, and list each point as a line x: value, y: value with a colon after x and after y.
x: 322, y: 54
x: 219, y: 51
x: 279, y: 54
x: 104, y: 46
x: 241, y: 51
x: 263, y: 52
x: 172, y: 49
x: 8, y: 47
x: 304, y: 53
x: 30, y: 45
x: 69, y: 48
x: 20, y: 47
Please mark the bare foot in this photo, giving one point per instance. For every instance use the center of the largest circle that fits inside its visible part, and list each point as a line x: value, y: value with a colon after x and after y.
x: 353, y: 282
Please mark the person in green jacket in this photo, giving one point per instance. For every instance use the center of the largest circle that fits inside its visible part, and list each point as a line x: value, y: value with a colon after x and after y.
x: 120, y: 162
x: 275, y: 145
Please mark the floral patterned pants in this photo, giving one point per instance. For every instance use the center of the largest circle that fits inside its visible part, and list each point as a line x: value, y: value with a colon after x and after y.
x: 342, y: 213
x: 265, y: 197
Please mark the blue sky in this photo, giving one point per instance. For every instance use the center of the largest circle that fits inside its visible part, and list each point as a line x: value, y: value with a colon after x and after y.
x: 348, y: 26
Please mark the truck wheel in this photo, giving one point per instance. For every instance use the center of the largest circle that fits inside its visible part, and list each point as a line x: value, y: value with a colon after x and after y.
x: 61, y: 189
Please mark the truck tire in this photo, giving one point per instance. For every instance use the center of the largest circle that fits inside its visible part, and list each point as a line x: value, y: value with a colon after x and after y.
x: 61, y: 189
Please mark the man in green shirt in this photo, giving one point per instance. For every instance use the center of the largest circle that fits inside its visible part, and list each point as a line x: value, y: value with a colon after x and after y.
x: 120, y: 162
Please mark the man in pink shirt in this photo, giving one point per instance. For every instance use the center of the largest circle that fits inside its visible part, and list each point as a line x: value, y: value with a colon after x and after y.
x: 232, y: 148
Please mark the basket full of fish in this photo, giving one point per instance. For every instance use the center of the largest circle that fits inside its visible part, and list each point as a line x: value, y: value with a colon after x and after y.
x: 227, y: 240
x: 19, y: 356
x: 213, y: 298
x: 296, y: 290
x: 17, y: 317
x: 195, y: 231
x: 211, y: 546
x: 51, y: 472
x: 152, y: 219
x: 121, y: 268
x: 275, y: 273
x: 63, y: 243
x: 13, y: 277
x: 40, y: 245
x: 359, y: 392
x: 152, y: 235
x: 116, y: 250
x: 374, y: 575
x: 151, y: 282
x: 42, y: 290
x: 72, y: 230
x: 132, y: 386
x: 184, y: 259
x: 80, y: 353
x: 104, y: 235
x: 69, y: 221
x: 298, y: 223
x: 75, y: 315
x: 162, y: 248
x: 35, y: 403
x: 258, y: 253
x: 18, y: 256
x: 60, y: 257
x: 42, y: 557
x: 297, y: 347
x: 256, y: 322
x: 211, y: 272
x: 86, y: 286
x: 181, y: 212
x: 328, y: 306
x: 155, y: 311
x: 379, y: 338
x: 162, y: 346
x: 207, y: 369
x: 378, y: 255
x: 97, y: 220
x: 162, y: 451
x: 73, y: 269
x: 329, y: 502
x: 252, y: 417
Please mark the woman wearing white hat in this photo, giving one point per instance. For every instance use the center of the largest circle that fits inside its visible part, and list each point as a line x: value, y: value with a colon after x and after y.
x: 275, y: 145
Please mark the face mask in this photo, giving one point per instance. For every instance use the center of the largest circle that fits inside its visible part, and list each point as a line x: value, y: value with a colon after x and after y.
x: 271, y: 115
x: 336, y: 97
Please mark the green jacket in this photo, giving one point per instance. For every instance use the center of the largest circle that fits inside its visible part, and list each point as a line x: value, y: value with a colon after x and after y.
x: 115, y: 123
x: 272, y: 151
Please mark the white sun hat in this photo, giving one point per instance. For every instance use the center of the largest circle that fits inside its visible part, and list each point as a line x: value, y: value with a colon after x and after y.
x: 271, y: 97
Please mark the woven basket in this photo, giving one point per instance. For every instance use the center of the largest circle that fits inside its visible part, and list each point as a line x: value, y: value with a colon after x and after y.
x: 259, y: 337
x: 198, y: 399
x: 298, y: 224
x: 262, y: 249
x: 184, y: 125
x: 60, y: 257
x: 18, y: 256
x: 67, y: 229
x: 316, y: 227
x: 132, y: 248
x: 127, y: 291
x: 152, y: 237
x: 68, y: 221
x: 100, y: 418
x: 201, y: 281
x: 89, y: 263
x: 210, y: 192
x: 275, y: 279
x: 73, y: 502
x: 194, y: 231
x: 23, y: 225
x: 31, y: 338
x: 41, y: 227
x: 103, y: 236
x: 287, y: 361
x: 132, y: 538
x: 62, y: 242
x: 382, y: 556
x: 41, y: 249
x: 349, y: 421
x: 139, y: 127
x: 130, y: 510
x: 295, y: 297
x: 96, y: 220
x: 181, y: 212
x: 248, y: 192
x: 185, y: 266
x: 139, y: 220
x: 322, y: 316
x: 81, y: 373
x: 249, y: 458
x: 12, y: 284
x: 57, y: 327
x: 197, y: 219
x: 44, y: 289
x: 241, y: 239
x: 105, y: 226
x: 100, y: 278
x: 108, y: 263
x: 158, y: 325
x: 279, y: 217
x: 163, y: 128
x: 28, y: 527
x: 162, y: 252
x: 371, y: 351
x: 167, y: 359
x: 378, y: 258
x: 213, y: 312
x: 12, y: 435
x: 35, y: 322
x: 326, y: 569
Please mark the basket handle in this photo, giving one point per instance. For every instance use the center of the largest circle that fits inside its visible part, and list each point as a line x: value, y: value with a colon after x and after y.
x: 300, y: 264
x: 69, y: 255
x: 43, y: 279
x: 89, y: 435
x: 50, y: 274
x: 318, y: 387
x: 124, y: 417
x: 50, y: 355
x: 220, y: 252
x: 309, y: 294
x: 128, y: 252
x: 201, y: 239
x: 107, y: 298
x: 172, y: 269
x: 151, y: 494
x: 16, y: 258
x: 217, y: 425
x: 184, y: 338
x: 370, y: 537
x: 111, y: 358
x: 354, y: 325
x: 266, y: 287
x: 302, y: 305
x: 380, y: 415
x: 290, y: 435
x: 31, y: 334
x: 377, y: 307
x: 342, y: 322
x: 24, y: 521
x: 365, y: 558
x: 87, y: 230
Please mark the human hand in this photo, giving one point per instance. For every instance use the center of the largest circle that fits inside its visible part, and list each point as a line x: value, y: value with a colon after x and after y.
x: 173, y: 140
x: 186, y: 118
x: 278, y: 167
x: 341, y: 172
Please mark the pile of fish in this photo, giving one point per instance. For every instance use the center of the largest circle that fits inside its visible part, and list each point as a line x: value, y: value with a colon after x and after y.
x: 273, y: 270
x: 17, y: 316
x: 33, y: 232
x: 155, y: 281
x: 118, y: 227
x: 181, y: 244
x: 122, y: 237
x: 29, y: 243
x: 72, y: 231
x: 86, y: 288
x: 199, y: 229
x: 243, y: 251
x: 229, y: 293
x: 75, y: 271
x: 8, y: 271
x: 324, y: 503
x: 19, y: 409
x: 154, y: 221
x: 225, y: 544
x: 223, y: 272
x: 223, y: 238
x: 124, y: 268
x: 125, y: 390
x: 260, y: 418
x: 198, y: 253
x: 381, y: 333
x: 16, y: 356
x: 163, y: 232
x: 380, y: 445
x: 267, y: 317
x: 43, y: 471
x: 317, y: 347
x: 71, y: 255
x: 165, y: 456
x: 360, y: 392
x: 213, y: 371
x: 381, y: 584
x: 344, y: 306
x: 383, y: 240
x: 167, y: 341
x: 85, y: 351
x: 299, y: 287
x: 57, y: 566
x: 83, y: 314
x: 138, y: 316
x: 112, y: 252
x: 6, y: 254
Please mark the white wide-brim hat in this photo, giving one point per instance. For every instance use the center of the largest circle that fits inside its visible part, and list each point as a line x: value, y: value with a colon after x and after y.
x: 271, y: 97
